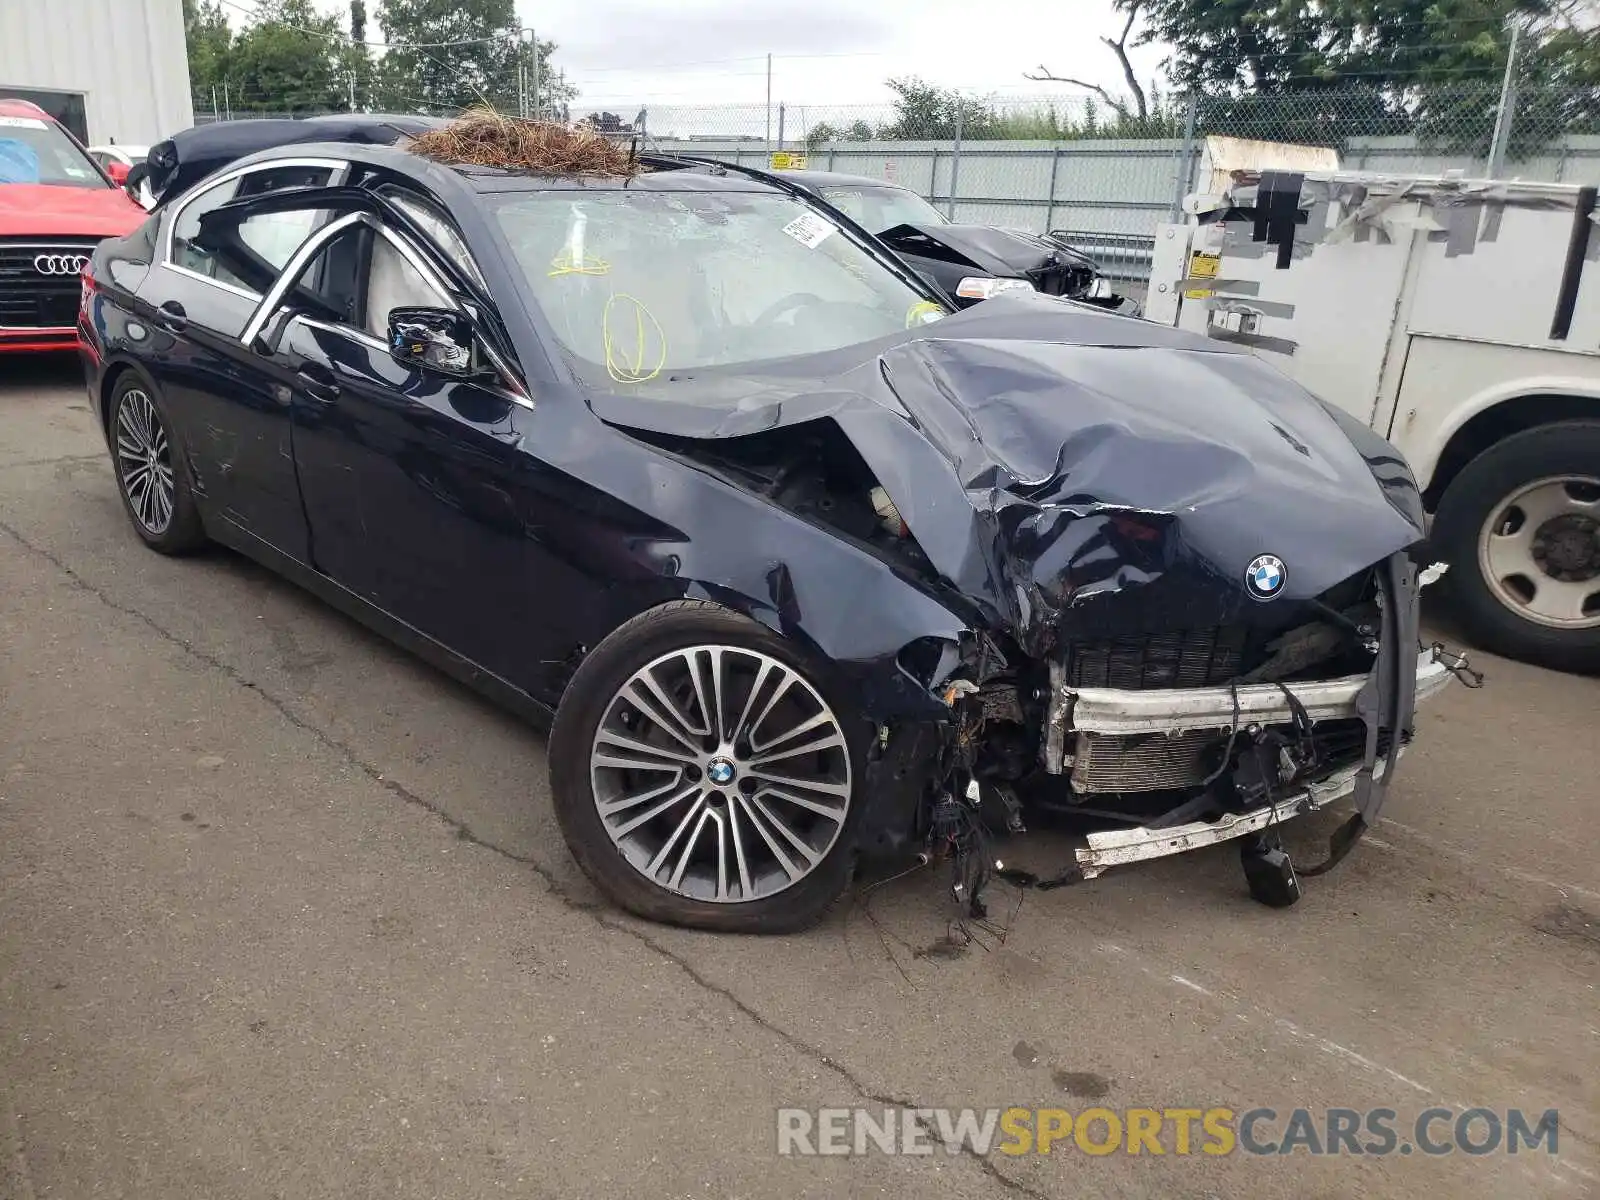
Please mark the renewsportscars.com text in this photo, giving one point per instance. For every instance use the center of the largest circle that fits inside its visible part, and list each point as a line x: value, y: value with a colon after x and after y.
x: 1161, y: 1131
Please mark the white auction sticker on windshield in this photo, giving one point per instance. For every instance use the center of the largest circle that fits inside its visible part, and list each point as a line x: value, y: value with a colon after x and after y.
x: 22, y: 123
x: 810, y: 230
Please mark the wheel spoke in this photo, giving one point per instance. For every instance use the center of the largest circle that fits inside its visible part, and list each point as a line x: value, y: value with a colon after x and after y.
x: 1511, y: 554
x: 638, y: 756
x: 778, y: 852
x: 782, y: 826
x: 822, y: 787
x: 1563, y: 601
x: 792, y: 796
x: 746, y: 888
x: 828, y: 739
x: 740, y: 728
x: 660, y: 710
x: 127, y: 447
x: 654, y: 811
x: 666, y: 846
x: 821, y: 718
x: 689, y: 843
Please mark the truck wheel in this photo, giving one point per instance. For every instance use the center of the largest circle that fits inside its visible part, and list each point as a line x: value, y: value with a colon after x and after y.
x: 1520, y: 527
x: 705, y: 773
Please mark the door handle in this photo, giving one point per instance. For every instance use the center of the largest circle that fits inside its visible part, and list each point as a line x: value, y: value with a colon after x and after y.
x: 172, y: 317
x: 318, y: 382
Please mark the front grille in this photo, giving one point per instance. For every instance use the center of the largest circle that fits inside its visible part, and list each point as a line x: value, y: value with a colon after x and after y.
x: 1190, y: 658
x: 31, y: 300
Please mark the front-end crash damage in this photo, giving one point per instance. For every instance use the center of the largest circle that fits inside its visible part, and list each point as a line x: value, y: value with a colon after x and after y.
x: 1191, y: 606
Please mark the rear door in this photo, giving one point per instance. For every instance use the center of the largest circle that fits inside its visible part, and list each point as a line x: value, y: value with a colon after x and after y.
x: 232, y: 416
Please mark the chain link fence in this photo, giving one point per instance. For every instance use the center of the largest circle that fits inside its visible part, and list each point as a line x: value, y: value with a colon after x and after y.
x: 1103, y: 173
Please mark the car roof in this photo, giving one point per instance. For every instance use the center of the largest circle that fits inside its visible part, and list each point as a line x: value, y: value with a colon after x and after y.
x: 24, y: 108
x: 665, y: 175
x: 815, y: 179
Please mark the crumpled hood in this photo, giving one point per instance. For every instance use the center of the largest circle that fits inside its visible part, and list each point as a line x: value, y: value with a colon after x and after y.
x: 1080, y: 474
x: 1005, y: 253
x: 52, y: 210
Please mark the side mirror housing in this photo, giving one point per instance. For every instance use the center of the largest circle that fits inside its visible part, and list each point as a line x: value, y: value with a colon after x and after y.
x: 433, y: 339
x: 118, y: 172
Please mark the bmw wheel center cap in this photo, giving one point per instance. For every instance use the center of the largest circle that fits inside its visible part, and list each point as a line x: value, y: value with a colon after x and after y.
x: 1265, y: 576
x: 720, y: 771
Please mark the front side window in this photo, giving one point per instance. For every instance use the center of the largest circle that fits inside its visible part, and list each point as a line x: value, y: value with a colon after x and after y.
x: 33, y: 150
x: 274, y: 236
x: 879, y: 209
x: 637, y: 283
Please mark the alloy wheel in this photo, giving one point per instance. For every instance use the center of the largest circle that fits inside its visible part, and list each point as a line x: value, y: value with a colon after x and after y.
x: 721, y: 774
x: 144, y: 461
x: 1539, y: 552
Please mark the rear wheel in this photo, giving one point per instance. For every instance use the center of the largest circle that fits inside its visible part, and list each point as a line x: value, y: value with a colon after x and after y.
x: 1520, y: 527
x: 704, y: 775
x: 152, y: 476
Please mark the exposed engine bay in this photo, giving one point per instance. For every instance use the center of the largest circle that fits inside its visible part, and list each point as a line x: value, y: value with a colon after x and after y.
x: 1136, y: 655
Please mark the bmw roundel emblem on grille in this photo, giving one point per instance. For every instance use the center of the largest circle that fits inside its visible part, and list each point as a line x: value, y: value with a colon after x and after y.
x: 60, y: 264
x: 1265, y: 576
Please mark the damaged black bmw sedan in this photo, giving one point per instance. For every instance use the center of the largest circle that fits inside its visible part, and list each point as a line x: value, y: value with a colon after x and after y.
x: 805, y: 567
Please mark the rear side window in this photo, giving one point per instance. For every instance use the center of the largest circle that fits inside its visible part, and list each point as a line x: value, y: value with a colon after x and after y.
x: 273, y: 236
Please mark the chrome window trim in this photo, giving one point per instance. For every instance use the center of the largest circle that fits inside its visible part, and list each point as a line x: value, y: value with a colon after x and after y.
x: 292, y: 270
x: 366, y: 339
x: 243, y: 292
x: 211, y: 182
x: 349, y: 331
x: 57, y: 329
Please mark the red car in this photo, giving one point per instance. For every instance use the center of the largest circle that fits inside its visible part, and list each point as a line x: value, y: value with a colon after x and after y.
x: 55, y: 205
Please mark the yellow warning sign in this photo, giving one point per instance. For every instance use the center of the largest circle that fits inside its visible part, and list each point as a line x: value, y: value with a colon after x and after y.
x: 787, y: 160
x: 1202, y: 266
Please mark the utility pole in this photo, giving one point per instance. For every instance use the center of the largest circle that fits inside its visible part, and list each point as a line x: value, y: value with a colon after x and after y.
x: 769, y: 108
x: 533, y: 40
x: 1508, y: 109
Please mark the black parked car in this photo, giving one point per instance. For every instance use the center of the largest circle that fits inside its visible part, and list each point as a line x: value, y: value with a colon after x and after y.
x: 804, y: 566
x: 970, y: 262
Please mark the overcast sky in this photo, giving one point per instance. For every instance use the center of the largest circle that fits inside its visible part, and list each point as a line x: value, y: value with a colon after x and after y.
x: 626, y: 53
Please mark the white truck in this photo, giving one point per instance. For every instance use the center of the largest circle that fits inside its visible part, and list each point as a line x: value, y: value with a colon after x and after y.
x: 1458, y: 317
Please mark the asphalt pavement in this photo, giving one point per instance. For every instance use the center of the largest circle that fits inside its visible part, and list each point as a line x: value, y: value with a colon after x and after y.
x: 284, y: 913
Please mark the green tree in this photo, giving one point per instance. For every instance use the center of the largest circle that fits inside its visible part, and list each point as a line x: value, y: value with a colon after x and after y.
x: 823, y: 132
x: 210, y: 41
x: 290, y: 59
x: 926, y: 112
x: 451, y: 54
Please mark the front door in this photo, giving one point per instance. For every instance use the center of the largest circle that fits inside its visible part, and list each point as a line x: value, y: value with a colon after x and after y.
x: 419, y: 494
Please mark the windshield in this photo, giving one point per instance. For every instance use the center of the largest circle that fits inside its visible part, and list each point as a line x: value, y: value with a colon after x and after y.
x: 636, y: 283
x: 879, y: 209
x: 37, y: 151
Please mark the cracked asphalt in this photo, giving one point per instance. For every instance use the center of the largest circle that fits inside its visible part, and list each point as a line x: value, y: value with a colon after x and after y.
x: 284, y: 913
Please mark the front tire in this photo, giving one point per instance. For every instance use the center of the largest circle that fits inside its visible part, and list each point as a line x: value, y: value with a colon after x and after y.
x: 1520, y: 528
x: 706, y: 774
x: 152, y: 474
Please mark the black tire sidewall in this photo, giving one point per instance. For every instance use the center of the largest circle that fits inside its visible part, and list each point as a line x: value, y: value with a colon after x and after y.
x: 1482, y: 487
x: 657, y: 632
x: 185, y: 531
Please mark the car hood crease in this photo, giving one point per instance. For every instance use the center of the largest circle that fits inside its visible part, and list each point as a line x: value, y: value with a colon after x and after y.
x: 1073, y: 472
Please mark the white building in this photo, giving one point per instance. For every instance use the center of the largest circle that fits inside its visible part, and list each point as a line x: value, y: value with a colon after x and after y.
x: 109, y: 70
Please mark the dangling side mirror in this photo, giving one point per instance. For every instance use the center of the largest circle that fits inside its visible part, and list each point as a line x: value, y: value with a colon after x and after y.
x: 433, y: 339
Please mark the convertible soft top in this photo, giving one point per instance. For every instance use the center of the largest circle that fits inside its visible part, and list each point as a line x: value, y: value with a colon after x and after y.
x: 184, y: 159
